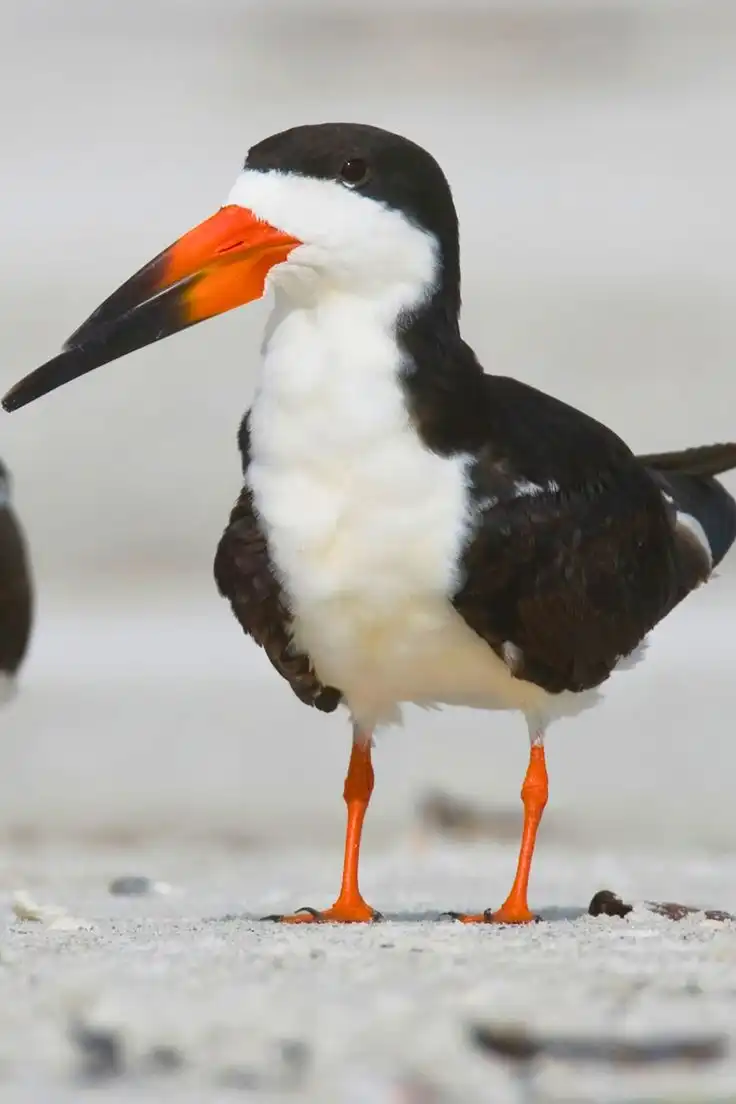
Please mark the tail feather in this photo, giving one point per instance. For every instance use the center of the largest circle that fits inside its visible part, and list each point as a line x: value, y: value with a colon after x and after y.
x: 708, y: 460
x: 687, y: 479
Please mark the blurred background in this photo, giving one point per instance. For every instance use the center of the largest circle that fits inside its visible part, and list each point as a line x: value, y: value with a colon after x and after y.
x: 590, y: 147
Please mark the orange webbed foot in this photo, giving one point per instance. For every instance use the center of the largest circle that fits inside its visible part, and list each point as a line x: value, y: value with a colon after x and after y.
x: 504, y: 915
x: 356, y: 912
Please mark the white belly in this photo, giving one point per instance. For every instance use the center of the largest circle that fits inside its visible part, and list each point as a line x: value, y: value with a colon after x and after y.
x: 419, y: 651
x: 369, y: 571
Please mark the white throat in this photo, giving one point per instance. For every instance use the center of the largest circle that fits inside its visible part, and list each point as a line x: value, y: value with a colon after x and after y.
x: 330, y: 366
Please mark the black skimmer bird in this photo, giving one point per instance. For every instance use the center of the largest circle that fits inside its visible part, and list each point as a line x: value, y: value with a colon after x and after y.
x: 410, y: 529
x: 16, y: 591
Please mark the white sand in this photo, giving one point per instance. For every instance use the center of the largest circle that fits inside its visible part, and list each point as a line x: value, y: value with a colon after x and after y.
x: 194, y: 970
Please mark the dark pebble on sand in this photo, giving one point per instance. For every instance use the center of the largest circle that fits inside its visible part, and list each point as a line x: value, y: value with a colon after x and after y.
x: 516, y: 1045
x: 164, y: 1059
x: 131, y: 886
x: 102, y: 1051
x: 607, y: 903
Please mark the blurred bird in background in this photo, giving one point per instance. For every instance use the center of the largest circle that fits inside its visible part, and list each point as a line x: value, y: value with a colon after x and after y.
x: 16, y: 591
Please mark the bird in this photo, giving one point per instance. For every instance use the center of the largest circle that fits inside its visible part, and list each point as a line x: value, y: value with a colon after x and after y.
x: 16, y: 591
x: 411, y: 529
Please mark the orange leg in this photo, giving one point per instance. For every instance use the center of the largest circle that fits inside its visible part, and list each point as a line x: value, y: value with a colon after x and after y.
x: 515, y: 909
x: 349, y: 908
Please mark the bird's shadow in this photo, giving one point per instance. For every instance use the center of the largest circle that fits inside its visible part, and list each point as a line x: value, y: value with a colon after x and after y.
x: 545, y: 915
x: 553, y: 914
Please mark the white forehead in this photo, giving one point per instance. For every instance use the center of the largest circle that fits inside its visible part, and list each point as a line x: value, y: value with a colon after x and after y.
x: 342, y: 230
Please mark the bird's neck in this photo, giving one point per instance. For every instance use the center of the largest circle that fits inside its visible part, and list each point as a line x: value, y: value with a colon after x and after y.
x: 444, y: 385
x: 354, y: 369
x: 329, y: 375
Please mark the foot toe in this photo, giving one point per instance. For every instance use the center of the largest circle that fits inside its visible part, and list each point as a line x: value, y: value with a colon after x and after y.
x: 357, y: 914
x: 500, y: 916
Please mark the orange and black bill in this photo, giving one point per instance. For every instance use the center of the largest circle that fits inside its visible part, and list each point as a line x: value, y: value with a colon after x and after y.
x: 219, y: 265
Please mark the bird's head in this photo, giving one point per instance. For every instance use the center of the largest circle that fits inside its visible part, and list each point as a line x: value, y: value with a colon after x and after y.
x: 335, y: 208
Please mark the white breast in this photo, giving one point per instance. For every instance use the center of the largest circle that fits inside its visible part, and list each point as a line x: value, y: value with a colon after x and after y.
x: 366, y: 526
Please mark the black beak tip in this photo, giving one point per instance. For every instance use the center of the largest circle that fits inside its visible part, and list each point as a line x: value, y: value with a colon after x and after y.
x: 10, y: 401
x: 46, y: 378
x: 20, y: 394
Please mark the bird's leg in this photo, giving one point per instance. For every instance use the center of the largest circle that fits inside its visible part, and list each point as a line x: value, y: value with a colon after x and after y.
x: 515, y: 909
x: 349, y: 908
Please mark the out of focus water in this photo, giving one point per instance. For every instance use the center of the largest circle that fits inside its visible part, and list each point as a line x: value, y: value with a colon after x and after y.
x: 590, y: 148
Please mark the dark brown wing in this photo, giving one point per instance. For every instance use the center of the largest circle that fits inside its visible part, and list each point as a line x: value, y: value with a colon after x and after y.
x: 244, y: 575
x: 575, y: 558
x: 16, y: 594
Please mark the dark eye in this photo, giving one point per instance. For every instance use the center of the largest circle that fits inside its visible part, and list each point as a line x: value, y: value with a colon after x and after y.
x: 354, y: 172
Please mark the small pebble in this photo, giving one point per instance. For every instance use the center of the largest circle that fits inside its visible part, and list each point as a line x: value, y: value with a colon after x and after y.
x: 296, y: 1056
x: 607, y: 903
x: 165, y: 1059
x: 135, y: 885
x: 102, y: 1051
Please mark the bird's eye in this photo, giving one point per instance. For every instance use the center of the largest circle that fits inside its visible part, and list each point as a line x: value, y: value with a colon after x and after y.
x: 354, y: 172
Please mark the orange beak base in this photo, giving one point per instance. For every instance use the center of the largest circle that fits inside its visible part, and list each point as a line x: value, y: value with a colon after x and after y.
x: 219, y: 265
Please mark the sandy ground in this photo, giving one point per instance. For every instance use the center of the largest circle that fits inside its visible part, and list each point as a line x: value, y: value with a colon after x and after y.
x: 370, y: 1014
x: 149, y: 738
